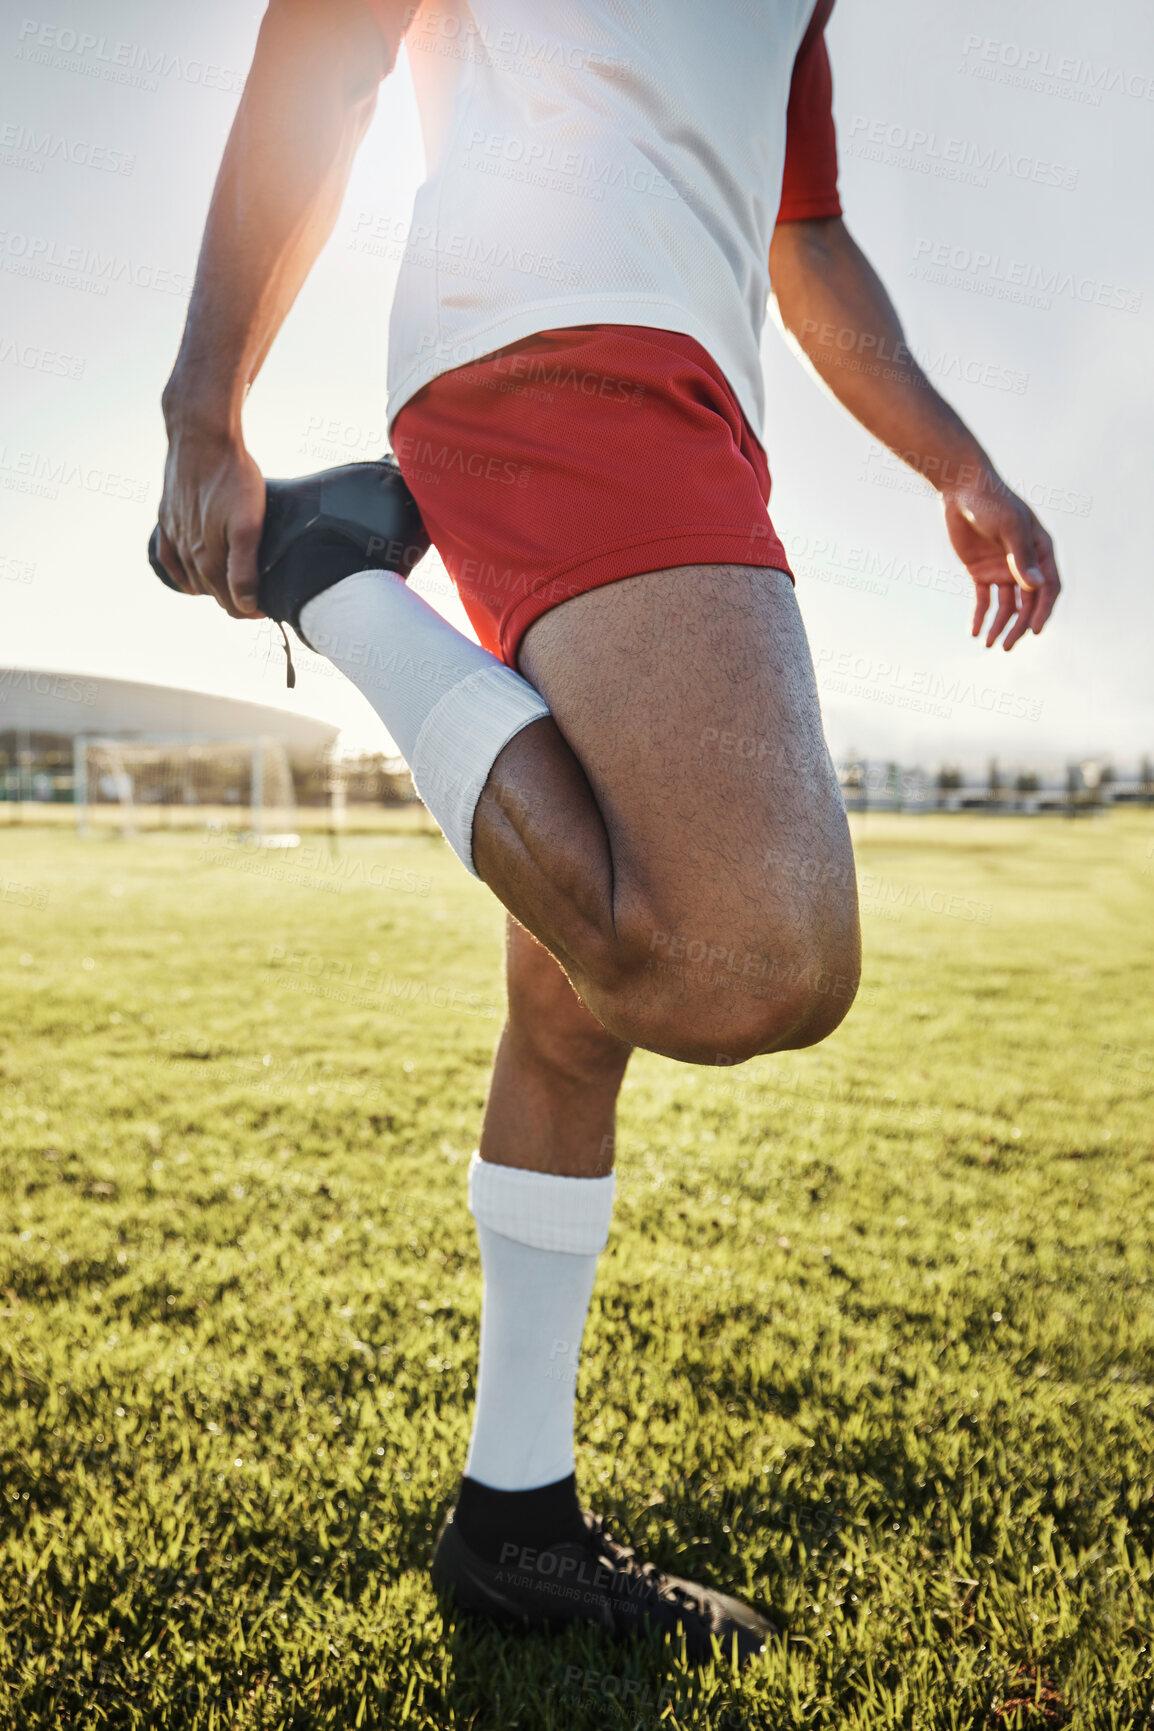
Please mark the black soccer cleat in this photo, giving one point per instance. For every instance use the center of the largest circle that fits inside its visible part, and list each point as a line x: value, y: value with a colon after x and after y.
x: 320, y: 528
x: 594, y: 1581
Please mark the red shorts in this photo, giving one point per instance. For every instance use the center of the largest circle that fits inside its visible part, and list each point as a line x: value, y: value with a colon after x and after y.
x: 575, y: 458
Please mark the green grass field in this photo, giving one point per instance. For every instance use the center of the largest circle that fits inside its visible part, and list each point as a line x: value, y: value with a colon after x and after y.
x: 872, y: 1341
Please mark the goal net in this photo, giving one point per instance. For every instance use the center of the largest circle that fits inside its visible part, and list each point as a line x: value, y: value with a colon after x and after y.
x: 158, y: 783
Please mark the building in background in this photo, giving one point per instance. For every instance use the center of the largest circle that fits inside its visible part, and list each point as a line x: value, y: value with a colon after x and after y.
x: 69, y: 737
x: 1022, y: 788
x: 43, y: 716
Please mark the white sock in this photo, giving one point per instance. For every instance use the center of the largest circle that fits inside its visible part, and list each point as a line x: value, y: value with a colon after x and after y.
x: 450, y: 705
x: 540, y: 1240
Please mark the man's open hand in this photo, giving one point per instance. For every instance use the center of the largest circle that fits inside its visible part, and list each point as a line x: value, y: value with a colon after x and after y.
x: 211, y: 514
x: 1004, y: 548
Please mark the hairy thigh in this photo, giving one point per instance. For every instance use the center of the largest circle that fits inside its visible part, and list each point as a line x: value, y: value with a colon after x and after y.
x: 689, y: 698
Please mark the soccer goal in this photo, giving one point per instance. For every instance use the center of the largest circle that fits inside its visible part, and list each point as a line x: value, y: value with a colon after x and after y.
x: 179, y: 781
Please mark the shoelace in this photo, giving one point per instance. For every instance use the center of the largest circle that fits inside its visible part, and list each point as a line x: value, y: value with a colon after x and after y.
x: 625, y: 1558
x: 290, y: 670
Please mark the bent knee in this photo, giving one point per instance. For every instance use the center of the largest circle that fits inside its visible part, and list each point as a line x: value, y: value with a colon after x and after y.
x: 724, y: 1034
x: 711, y: 1011
x: 557, y: 1033
x: 573, y: 1051
x: 824, y: 1000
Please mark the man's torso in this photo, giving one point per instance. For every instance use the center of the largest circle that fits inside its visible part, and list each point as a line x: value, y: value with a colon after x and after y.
x: 594, y: 163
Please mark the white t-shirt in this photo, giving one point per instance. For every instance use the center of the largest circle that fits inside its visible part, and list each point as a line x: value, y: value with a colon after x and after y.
x: 594, y: 162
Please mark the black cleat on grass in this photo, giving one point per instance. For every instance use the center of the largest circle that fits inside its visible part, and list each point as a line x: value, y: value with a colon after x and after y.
x: 594, y: 1580
x: 320, y: 528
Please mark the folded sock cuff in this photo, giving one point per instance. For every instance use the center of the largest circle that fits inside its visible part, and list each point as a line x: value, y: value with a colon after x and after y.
x: 541, y: 1209
x: 459, y: 742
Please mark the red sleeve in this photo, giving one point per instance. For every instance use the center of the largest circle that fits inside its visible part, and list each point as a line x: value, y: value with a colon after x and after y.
x: 809, y: 184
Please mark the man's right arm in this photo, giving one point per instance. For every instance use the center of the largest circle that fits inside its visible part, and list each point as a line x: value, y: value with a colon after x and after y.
x: 307, y: 102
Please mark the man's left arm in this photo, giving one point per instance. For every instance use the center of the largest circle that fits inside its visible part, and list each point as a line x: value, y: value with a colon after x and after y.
x: 833, y: 303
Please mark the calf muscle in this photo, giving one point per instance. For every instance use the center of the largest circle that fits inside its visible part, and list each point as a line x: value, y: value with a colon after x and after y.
x: 552, y: 1100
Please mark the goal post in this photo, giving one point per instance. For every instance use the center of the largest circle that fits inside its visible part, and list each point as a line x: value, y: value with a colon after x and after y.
x: 159, y: 781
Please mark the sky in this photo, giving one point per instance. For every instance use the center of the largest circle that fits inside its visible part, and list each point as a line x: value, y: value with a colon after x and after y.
x: 995, y: 167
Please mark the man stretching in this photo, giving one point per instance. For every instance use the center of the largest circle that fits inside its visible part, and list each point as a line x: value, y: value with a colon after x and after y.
x: 575, y: 400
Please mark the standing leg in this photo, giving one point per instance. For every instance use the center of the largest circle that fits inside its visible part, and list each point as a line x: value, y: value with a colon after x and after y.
x: 553, y: 1098
x: 517, y: 1544
x: 546, y: 1159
